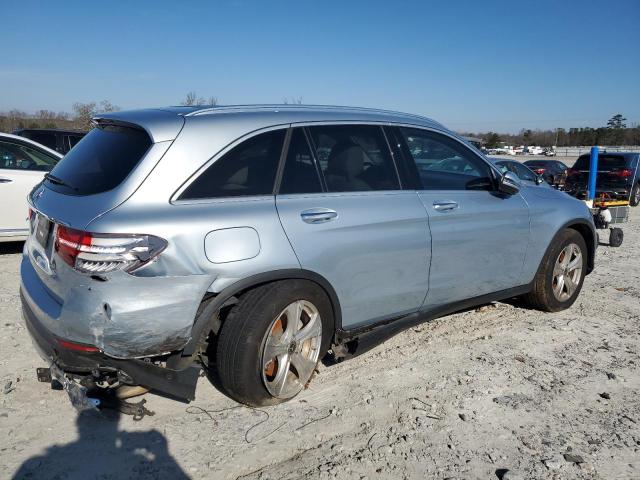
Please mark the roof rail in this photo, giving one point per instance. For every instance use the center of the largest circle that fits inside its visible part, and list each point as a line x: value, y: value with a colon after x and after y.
x: 223, y: 108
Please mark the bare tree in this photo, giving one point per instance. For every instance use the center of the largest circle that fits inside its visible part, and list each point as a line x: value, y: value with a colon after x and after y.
x: 194, y: 100
x: 83, y: 113
x: 190, y: 99
x: 292, y: 101
x: 107, y: 106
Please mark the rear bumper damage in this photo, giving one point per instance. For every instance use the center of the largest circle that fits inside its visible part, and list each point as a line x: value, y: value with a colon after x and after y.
x: 178, y: 383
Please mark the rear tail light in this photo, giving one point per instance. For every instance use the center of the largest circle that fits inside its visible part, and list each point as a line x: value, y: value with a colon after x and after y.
x: 78, y: 347
x: 624, y: 173
x: 539, y: 171
x: 95, y: 253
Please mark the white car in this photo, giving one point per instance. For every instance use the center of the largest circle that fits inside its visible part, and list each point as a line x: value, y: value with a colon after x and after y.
x: 23, y: 164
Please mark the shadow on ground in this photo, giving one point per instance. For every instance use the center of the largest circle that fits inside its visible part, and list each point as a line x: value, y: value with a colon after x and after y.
x: 104, y: 451
x: 9, y: 248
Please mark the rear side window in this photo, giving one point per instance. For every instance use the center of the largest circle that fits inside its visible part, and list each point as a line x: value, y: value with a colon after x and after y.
x: 605, y: 162
x: 101, y: 161
x: 354, y: 158
x: 248, y: 169
x: 444, y: 163
x: 300, y: 173
x: 15, y: 156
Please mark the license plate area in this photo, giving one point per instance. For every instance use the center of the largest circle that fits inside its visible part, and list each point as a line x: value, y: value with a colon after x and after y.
x: 42, y: 230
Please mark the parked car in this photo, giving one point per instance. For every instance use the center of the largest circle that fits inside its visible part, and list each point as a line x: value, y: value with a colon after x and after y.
x: 523, y: 172
x: 618, y: 177
x: 220, y: 237
x: 59, y: 140
x: 553, y: 171
x: 23, y: 164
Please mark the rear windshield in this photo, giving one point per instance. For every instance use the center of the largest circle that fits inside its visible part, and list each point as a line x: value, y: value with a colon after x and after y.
x: 605, y: 162
x: 533, y: 163
x: 100, y: 161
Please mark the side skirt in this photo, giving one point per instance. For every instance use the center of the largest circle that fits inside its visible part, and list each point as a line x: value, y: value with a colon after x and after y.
x: 354, y: 342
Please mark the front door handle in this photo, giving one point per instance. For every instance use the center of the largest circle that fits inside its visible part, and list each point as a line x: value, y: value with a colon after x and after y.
x: 445, y: 205
x: 318, y: 215
x: 5, y: 180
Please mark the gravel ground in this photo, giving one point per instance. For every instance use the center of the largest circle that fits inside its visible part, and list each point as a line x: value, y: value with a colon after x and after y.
x: 473, y: 395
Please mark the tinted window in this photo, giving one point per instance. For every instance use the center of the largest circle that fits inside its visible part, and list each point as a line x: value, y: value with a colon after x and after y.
x: 354, y: 158
x: 534, y: 164
x: 300, y: 174
x: 72, y: 140
x: 15, y: 156
x: 605, y: 162
x: 101, y: 161
x: 444, y: 163
x: 248, y: 169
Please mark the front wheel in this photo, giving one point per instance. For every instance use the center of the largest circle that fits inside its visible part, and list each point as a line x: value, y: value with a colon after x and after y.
x: 561, y: 274
x: 271, y: 342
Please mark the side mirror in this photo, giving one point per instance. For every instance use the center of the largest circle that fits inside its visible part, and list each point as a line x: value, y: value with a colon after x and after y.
x: 509, y: 183
x: 539, y: 180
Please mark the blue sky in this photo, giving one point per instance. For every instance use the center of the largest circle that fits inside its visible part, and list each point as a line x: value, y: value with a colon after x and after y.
x: 473, y: 65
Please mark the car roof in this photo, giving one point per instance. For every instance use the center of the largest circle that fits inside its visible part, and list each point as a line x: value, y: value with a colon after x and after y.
x: 165, y: 123
x: 626, y: 155
x: 9, y: 136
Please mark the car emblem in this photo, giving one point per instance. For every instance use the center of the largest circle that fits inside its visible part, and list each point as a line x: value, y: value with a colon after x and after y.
x: 40, y: 193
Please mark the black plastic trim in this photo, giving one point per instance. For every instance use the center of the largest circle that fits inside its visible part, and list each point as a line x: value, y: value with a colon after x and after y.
x: 205, y: 321
x: 365, y: 338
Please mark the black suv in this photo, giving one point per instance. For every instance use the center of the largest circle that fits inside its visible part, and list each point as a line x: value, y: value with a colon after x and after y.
x: 618, y: 177
x: 59, y: 140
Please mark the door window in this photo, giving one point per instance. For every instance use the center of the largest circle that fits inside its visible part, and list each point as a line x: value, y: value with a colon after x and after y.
x: 300, y: 173
x: 248, y: 169
x: 354, y: 158
x: 444, y: 163
x: 14, y: 156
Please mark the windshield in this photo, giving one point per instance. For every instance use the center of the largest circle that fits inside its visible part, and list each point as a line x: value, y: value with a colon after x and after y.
x: 100, y: 161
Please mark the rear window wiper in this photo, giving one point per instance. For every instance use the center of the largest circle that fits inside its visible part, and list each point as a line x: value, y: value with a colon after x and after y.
x: 58, y: 181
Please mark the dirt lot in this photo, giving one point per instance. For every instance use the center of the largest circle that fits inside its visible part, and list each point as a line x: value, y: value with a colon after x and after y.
x: 466, y: 396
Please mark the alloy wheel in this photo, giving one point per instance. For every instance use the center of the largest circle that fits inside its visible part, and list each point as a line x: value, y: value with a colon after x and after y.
x: 291, y: 348
x: 567, y: 272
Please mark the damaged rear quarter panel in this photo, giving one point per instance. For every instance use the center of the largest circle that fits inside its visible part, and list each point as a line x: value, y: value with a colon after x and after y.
x: 129, y: 316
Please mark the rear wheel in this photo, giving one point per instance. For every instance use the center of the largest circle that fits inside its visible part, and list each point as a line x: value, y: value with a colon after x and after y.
x: 560, y: 276
x: 271, y: 341
x: 635, y: 195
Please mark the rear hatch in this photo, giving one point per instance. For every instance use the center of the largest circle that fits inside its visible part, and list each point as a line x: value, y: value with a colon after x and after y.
x: 614, y: 173
x: 97, y: 175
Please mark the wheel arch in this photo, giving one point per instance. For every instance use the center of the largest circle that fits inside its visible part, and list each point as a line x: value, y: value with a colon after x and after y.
x: 586, y: 229
x: 205, y: 321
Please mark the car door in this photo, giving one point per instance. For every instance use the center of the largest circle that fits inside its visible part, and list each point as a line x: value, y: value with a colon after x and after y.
x: 22, y: 166
x: 479, y: 236
x: 342, y: 207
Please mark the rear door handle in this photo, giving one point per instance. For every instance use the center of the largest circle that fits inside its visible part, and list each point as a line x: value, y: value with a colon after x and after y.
x: 318, y: 215
x: 5, y: 180
x: 445, y: 205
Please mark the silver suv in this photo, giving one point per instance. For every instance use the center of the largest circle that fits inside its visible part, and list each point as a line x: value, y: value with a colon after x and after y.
x: 254, y: 241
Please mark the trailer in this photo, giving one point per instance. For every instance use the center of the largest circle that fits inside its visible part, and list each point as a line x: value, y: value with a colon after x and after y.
x: 606, y: 210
